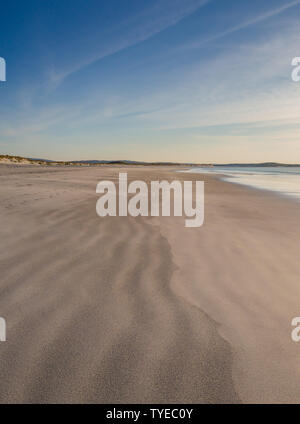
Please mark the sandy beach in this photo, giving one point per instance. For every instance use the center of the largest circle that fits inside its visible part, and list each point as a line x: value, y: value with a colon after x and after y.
x: 124, y: 309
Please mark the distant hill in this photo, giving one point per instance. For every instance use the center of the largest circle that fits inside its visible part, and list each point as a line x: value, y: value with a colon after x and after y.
x: 263, y: 164
x: 17, y: 160
x: 10, y: 159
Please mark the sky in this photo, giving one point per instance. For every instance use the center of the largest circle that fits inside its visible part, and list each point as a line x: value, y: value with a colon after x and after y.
x: 205, y: 81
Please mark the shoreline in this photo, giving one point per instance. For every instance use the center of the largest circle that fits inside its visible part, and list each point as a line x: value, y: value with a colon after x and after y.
x: 227, y: 179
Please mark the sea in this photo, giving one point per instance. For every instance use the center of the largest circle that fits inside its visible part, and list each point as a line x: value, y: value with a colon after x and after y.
x: 283, y: 180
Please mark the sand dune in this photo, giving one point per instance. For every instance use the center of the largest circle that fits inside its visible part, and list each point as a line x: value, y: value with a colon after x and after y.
x: 142, y: 309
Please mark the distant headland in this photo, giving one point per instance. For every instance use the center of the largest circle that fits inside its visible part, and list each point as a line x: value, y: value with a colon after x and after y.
x: 20, y: 160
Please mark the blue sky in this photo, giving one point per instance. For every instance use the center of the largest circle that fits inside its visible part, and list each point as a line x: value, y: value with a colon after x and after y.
x: 179, y: 80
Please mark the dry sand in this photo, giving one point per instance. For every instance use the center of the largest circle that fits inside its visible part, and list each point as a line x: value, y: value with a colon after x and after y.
x: 143, y: 309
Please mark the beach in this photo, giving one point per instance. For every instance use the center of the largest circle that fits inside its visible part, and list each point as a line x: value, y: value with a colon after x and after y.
x: 143, y: 309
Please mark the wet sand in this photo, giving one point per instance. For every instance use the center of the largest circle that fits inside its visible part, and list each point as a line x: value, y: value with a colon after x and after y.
x: 123, y: 309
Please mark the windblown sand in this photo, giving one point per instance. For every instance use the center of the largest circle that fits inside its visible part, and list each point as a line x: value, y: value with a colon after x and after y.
x: 123, y: 309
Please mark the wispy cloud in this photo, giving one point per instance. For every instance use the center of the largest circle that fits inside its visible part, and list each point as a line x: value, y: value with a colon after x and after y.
x: 139, y: 28
x: 246, y: 84
x: 244, y: 25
